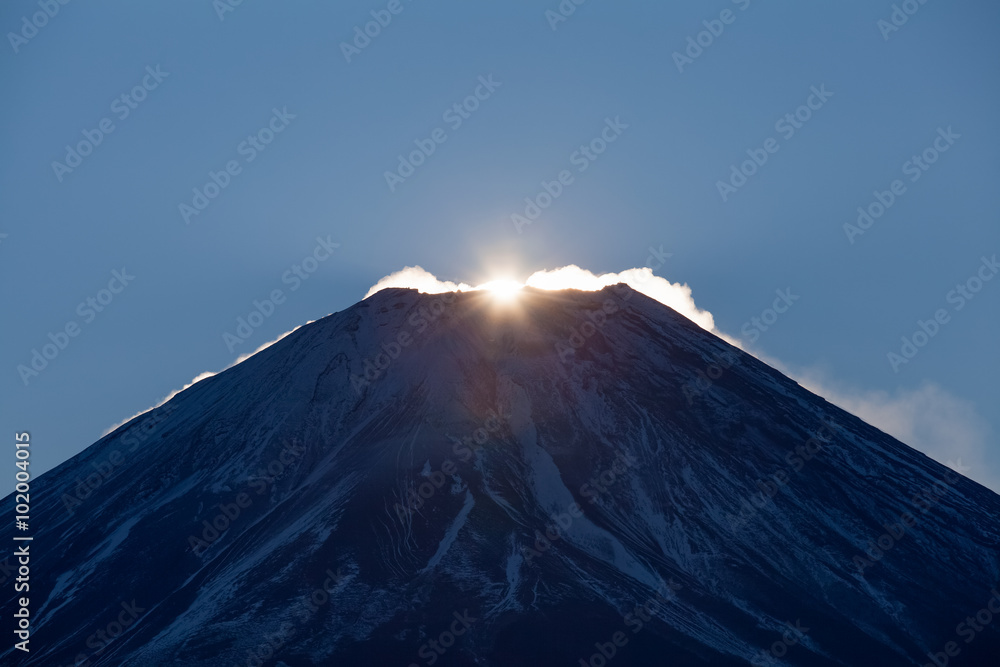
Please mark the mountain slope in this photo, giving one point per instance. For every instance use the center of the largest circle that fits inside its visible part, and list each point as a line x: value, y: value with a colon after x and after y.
x: 427, y: 479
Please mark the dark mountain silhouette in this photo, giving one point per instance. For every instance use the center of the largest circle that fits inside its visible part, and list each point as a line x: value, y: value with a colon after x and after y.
x: 574, y: 478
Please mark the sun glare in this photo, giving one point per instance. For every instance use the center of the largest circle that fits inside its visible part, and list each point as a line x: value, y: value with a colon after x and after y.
x: 503, y: 290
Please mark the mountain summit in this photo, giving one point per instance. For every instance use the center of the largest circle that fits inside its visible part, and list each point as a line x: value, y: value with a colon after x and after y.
x: 574, y: 478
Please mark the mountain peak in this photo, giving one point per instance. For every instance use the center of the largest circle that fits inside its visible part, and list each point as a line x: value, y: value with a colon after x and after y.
x: 540, y: 472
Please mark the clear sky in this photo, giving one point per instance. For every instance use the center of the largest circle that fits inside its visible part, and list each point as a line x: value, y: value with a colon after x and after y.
x: 115, y: 112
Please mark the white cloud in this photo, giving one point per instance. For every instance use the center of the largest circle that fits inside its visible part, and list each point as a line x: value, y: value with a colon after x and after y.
x: 196, y: 380
x: 928, y: 418
x: 675, y: 295
x: 417, y: 278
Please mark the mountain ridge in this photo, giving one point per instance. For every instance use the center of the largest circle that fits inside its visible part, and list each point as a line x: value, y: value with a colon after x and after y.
x: 316, y: 453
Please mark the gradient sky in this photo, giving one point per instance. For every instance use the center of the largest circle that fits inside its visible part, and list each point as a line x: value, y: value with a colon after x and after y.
x: 323, y: 175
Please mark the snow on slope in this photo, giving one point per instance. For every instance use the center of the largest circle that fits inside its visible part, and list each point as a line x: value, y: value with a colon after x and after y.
x: 631, y: 452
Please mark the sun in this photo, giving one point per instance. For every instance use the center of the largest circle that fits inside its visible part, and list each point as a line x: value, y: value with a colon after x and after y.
x: 503, y: 290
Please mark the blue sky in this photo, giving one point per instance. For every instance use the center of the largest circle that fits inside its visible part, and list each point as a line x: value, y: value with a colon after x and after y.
x: 207, y: 89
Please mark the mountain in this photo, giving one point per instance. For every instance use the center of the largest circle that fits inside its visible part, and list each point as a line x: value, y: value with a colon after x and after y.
x: 574, y: 478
